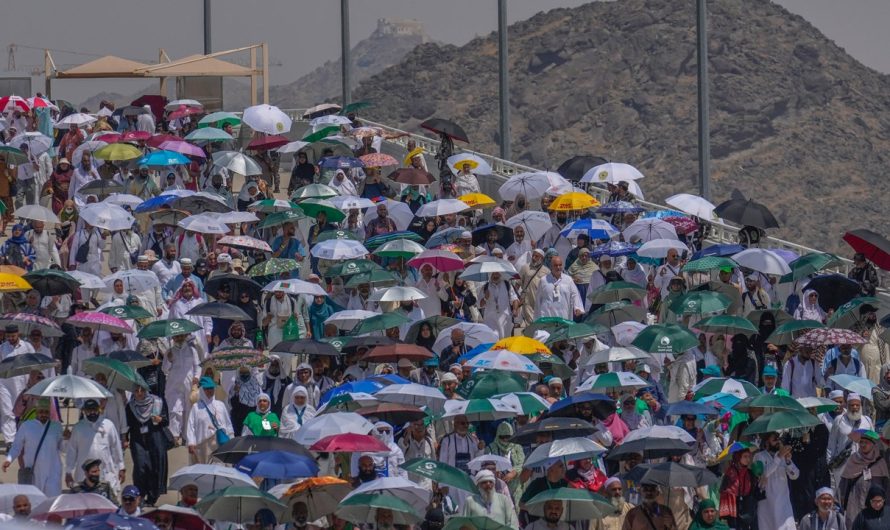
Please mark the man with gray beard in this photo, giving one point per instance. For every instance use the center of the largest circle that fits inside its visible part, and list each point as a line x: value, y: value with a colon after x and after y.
x: 613, y: 491
x: 840, y: 446
x: 489, y: 503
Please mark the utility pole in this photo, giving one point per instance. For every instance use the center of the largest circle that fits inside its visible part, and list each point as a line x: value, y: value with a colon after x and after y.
x: 207, y: 47
x: 345, y: 60
x: 503, y: 80
x: 704, y: 131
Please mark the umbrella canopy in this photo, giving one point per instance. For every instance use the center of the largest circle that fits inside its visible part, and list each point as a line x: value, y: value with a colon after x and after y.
x: 558, y: 428
x: 8, y: 493
x: 413, y: 394
x: 617, y: 354
x: 830, y: 336
x: 237, y: 163
x: 649, y: 229
x: 486, y: 384
x: 770, y: 402
x: 69, y: 386
x: 521, y: 345
x: 267, y: 118
x: 783, y: 420
x: 441, y: 473
x: 612, y: 380
x: 709, y: 263
x: 859, y: 385
x: 35, y: 212
x: 321, y: 495
x: 536, y: 224
x: 50, y: 282
x: 480, y: 409
x: 107, y: 216
x: 219, y: 310
x: 184, y: 518
x: 238, y: 504
x: 208, y: 134
x: 120, y: 376
x: 380, y: 322
x: 24, y: 364
x: 100, y: 322
x: 209, y: 478
x: 477, y: 164
x: 350, y: 443
x: 504, y: 361
x: 278, y: 465
x: 573, y: 201
x: 690, y: 408
x: 338, y: 249
x: 746, y: 212
x: 577, y: 504
x: 330, y: 424
x: 220, y: 119
x: 305, y: 347
x: 71, y: 505
x: 658, y: 248
x: 738, y: 388
x: 673, y: 475
x: 110, y: 521
x: 700, y: 302
x: 611, y: 173
x: 789, y: 331
x: 124, y: 312
x: 616, y: 291
x: 726, y: 325
x: 693, y: 205
x: 533, y: 185
x: 482, y: 271
x: 446, y: 127
x: 614, y: 248
x: 874, y: 246
x: 393, y: 352
x: 237, y: 284
x: 241, y: 446
x: 363, y: 507
x: 834, y: 290
x: 665, y: 338
x: 167, y: 328
x: 566, y: 449
x: 162, y: 158
x: 762, y: 260
x: 809, y: 264
x: 118, y: 152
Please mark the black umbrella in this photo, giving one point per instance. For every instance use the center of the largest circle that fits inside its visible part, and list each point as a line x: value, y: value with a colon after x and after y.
x: 746, y: 212
x: 197, y: 204
x: 50, y: 282
x: 23, y: 364
x: 305, y: 347
x: 575, y: 167
x: 671, y: 475
x: 239, y: 447
x: 101, y: 188
x: 130, y: 110
x: 219, y: 310
x: 505, y: 235
x: 559, y: 428
x: 130, y: 357
x: 446, y: 127
x: 603, y: 406
x: 650, y: 448
x: 834, y: 290
x: 366, y: 342
x: 236, y: 283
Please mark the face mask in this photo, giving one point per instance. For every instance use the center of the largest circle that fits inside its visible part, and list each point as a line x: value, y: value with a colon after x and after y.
x: 274, y: 370
x: 92, y: 416
x: 244, y: 377
x: 367, y: 476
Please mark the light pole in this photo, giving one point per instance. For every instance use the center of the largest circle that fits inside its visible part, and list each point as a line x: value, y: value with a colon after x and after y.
x: 503, y: 80
x: 704, y: 132
x: 346, y: 65
x: 207, y: 47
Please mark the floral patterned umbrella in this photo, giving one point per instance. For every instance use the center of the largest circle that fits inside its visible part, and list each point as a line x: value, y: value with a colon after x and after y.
x: 378, y: 160
x: 828, y: 336
x: 99, y: 321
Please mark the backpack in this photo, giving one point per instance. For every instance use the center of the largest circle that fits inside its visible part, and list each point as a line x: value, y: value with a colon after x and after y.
x: 15, y: 256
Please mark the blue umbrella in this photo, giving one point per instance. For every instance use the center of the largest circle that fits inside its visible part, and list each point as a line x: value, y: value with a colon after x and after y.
x: 690, y: 408
x: 475, y: 351
x: 614, y: 248
x: 594, y: 228
x: 718, y: 250
x: 859, y: 385
x: 110, y: 521
x: 603, y: 405
x: 724, y: 399
x: 365, y: 385
x: 340, y: 162
x: 619, y: 207
x: 278, y: 465
x: 154, y: 203
x: 163, y: 158
x: 664, y: 214
x: 449, y: 235
x: 388, y: 379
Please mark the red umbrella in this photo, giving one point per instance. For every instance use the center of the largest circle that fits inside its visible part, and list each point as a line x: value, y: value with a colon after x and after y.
x: 874, y: 246
x: 156, y: 102
x: 683, y: 225
x: 392, y: 413
x: 8, y: 103
x: 135, y: 136
x: 829, y: 336
x: 183, y: 518
x: 109, y: 137
x: 266, y: 142
x: 183, y: 111
x: 349, y: 443
x: 158, y: 139
x: 393, y: 352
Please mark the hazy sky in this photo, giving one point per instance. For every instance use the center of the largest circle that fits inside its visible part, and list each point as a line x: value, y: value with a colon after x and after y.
x: 303, y: 34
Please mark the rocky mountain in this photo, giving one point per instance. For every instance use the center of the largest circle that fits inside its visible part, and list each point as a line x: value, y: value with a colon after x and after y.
x: 796, y: 122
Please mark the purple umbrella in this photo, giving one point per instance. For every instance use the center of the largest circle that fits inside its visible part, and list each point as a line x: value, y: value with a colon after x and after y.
x: 184, y: 148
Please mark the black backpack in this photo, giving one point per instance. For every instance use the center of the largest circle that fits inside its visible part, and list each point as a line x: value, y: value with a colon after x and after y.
x: 15, y: 256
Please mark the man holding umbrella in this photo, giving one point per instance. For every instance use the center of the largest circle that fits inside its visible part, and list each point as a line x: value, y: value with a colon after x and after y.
x: 489, y: 503
x: 39, y: 443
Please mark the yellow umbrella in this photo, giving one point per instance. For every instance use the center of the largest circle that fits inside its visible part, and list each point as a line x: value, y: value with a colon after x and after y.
x: 575, y: 200
x: 411, y: 154
x: 477, y: 200
x: 117, y: 152
x: 10, y: 283
x: 521, y: 344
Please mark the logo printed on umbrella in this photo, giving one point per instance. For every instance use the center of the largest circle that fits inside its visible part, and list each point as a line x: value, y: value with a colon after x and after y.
x: 174, y: 325
x: 279, y: 126
x: 665, y: 341
x: 603, y: 175
x: 430, y: 466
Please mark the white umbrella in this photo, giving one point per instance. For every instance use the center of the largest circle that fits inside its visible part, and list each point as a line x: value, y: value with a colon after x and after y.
x: 566, y: 450
x: 634, y: 189
x: 413, y: 394
x: 173, y: 105
x: 533, y: 185
x: 693, y: 205
x: 292, y: 147
x: 669, y: 432
x: 38, y: 143
x: 35, y: 212
x: 245, y: 242
x: 330, y: 424
x: 611, y: 380
x: 479, y: 165
x: 87, y: 280
x: 658, y: 248
x: 234, y: 217
x: 124, y: 199
x: 8, y: 492
x: 338, y: 249
x: 397, y: 211
x: 474, y: 335
x: 237, y: 163
x: 203, y: 224
x: 481, y: 272
x: 332, y: 107
x: 135, y: 280
x: 441, y: 207
x: 501, y: 463
x: 71, y: 505
x: 612, y: 172
x: 536, y: 223
x: 351, y: 202
x: 78, y: 118
x: 617, y: 354
x: 357, y: 400
x: 330, y: 119
x: 649, y: 229
x: 349, y: 318
x: 480, y: 409
x: 400, y: 246
x: 267, y: 118
x: 504, y: 361
x: 295, y: 287
x: 762, y: 260
x: 209, y: 478
x: 400, y: 487
x: 107, y: 216
x: 69, y: 386
x: 92, y: 146
x: 397, y: 294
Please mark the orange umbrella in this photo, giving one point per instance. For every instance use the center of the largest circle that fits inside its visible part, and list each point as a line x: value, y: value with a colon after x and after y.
x: 320, y: 494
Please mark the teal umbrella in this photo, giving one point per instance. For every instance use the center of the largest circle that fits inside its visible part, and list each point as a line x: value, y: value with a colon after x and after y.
x: 617, y: 291
x: 484, y: 385
x: 399, y: 248
x: 377, y: 278
x: 783, y: 420
x: 380, y: 322
x: 220, y: 119
x: 788, y: 331
x: 709, y: 263
x: 578, y: 504
x: 665, y: 338
x: 726, y: 325
x: 279, y: 218
x: 440, y: 473
x: 313, y: 207
x: 120, y: 376
x: 353, y: 266
x: 615, y: 313
x: 700, y: 303
x: 809, y: 264
x: 849, y: 314
x: 208, y: 134
x: 314, y: 191
x: 337, y: 234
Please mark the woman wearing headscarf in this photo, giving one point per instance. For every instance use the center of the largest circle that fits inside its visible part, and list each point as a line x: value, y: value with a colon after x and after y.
x: 502, y: 446
x: 738, y: 504
x: 425, y: 337
x: 319, y: 311
x: 17, y: 250
x: 741, y: 362
x: 459, y: 299
x: 676, y: 289
x: 707, y: 517
x: 58, y: 185
x: 243, y: 398
x: 519, y: 205
x: 146, y: 423
x: 809, y: 308
x: 616, y: 427
x: 581, y: 270
x: 297, y: 413
x: 275, y: 380
x: 262, y: 421
x: 864, y: 468
x: 876, y: 514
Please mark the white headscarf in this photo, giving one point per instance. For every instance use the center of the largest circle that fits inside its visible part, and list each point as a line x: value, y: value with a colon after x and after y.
x: 808, y: 311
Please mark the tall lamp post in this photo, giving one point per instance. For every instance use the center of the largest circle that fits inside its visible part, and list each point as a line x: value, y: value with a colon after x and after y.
x: 207, y: 47
x: 704, y: 133
x: 345, y: 60
x: 503, y: 81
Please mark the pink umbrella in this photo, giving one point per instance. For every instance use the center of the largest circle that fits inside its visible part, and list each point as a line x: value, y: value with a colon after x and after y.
x: 250, y: 243
x: 158, y: 139
x: 135, y: 136
x: 68, y: 505
x: 184, y: 111
x: 183, y: 147
x: 441, y: 260
x: 109, y: 137
x: 99, y: 321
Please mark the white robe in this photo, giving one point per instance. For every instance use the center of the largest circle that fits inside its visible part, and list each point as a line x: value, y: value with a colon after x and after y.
x: 180, y: 308
x: 280, y: 310
x: 181, y: 371
x: 79, y: 179
x: 11, y: 387
x: 431, y: 305
x: 557, y: 298
x: 122, y: 246
x: 100, y: 440
x: 292, y: 421
x: 497, y: 312
x: 200, y: 426
x: 775, y: 512
x: 47, y: 468
x: 45, y: 250
x: 166, y: 271
x: 93, y: 263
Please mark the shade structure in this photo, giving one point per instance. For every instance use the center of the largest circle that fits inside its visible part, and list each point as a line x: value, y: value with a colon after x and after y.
x: 109, y: 66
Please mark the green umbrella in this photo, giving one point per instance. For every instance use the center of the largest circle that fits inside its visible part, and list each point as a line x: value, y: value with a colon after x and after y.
x: 120, y: 375
x: 700, y: 302
x: 376, y: 241
x: 847, y: 315
x: 617, y: 291
x: 314, y: 191
x: 279, y: 218
x: 714, y: 385
x: 809, y: 264
x: 726, y: 325
x: 783, y: 420
x: 819, y: 404
x: 779, y: 315
x: 315, y: 149
x: 273, y: 267
x: 355, y: 107
x: 615, y: 313
x: 548, y: 324
x: 208, y: 134
x: 529, y: 403
x: 380, y: 322
x: 440, y: 472
x: 559, y: 368
x: 353, y: 266
x: 487, y: 384
x: 337, y: 234
x: 238, y: 504
x: 362, y: 507
x: 321, y: 133
x: 220, y: 119
x: 478, y: 522
x: 13, y: 155
x: 313, y: 206
x: 399, y: 248
x: 665, y: 338
x: 51, y: 282
x: 273, y: 205
x: 773, y: 402
x: 785, y: 333
x: 127, y: 311
x: 709, y: 263
x: 575, y: 331
x: 436, y: 322
x: 578, y: 504
x: 381, y: 278
x: 167, y: 328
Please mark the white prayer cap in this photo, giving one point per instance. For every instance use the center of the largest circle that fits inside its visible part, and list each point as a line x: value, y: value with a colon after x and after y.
x: 484, y: 476
x: 824, y: 491
x: 854, y: 397
x: 836, y: 394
